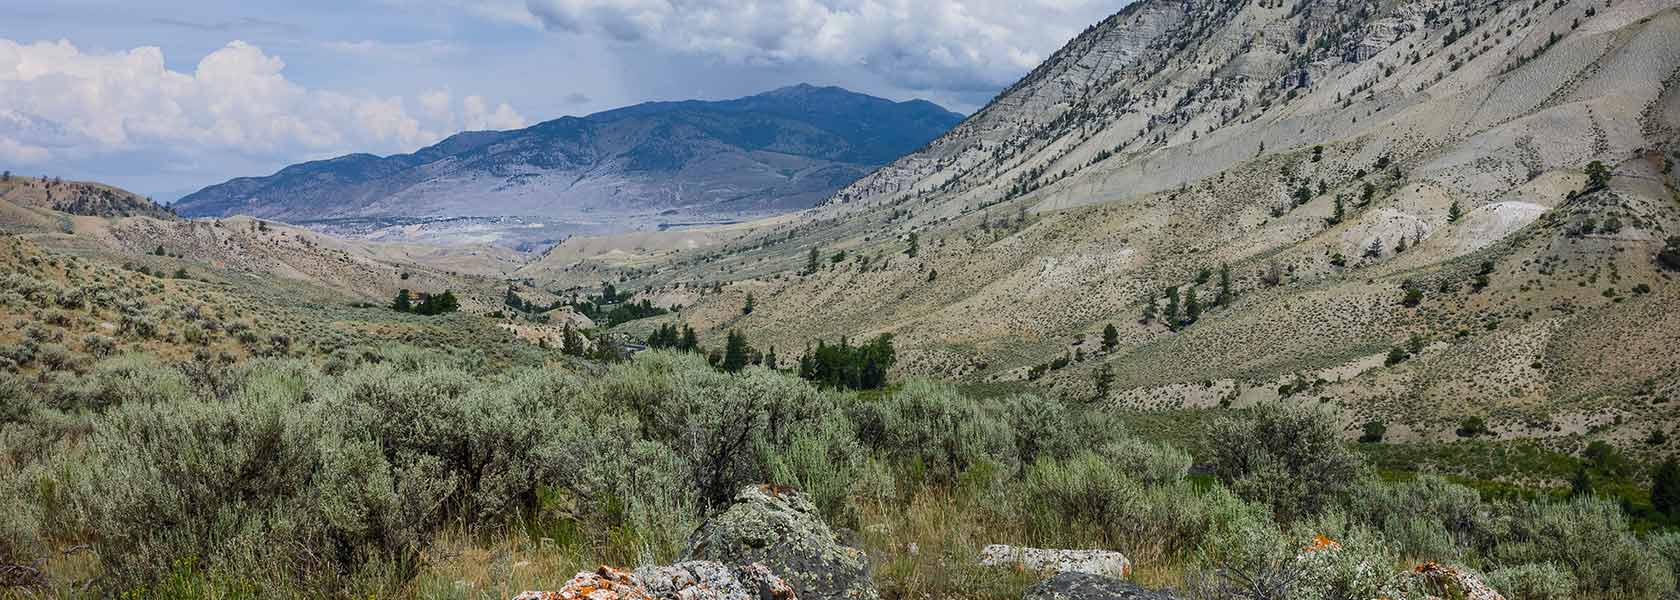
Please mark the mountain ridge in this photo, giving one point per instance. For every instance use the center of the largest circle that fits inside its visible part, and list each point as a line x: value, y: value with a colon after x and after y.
x: 751, y: 156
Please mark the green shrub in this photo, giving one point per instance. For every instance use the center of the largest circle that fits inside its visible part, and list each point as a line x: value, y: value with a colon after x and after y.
x: 937, y: 431
x: 1147, y: 462
x: 1426, y: 518
x: 1534, y: 581
x: 1590, y: 538
x: 1288, y: 457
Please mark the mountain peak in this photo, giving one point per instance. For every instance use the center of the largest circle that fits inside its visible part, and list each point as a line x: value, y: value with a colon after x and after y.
x: 775, y: 152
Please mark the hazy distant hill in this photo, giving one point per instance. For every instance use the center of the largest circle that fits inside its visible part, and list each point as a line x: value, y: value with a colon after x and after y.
x: 779, y: 151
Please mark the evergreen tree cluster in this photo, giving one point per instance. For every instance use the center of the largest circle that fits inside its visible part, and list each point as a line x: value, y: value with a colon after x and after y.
x: 862, y: 367
x: 425, y: 304
x: 667, y: 337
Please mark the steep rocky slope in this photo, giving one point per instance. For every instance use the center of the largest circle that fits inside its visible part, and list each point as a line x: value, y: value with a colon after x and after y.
x: 666, y: 162
x: 1318, y: 149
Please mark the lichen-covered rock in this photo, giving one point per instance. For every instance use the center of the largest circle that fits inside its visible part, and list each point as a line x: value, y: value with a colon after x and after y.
x: 780, y: 529
x: 1085, y: 586
x: 706, y: 580
x: 1442, y: 581
x: 605, y: 583
x: 694, y: 580
x: 1095, y: 562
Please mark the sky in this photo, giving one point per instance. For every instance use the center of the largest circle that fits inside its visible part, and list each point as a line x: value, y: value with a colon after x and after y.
x: 164, y: 97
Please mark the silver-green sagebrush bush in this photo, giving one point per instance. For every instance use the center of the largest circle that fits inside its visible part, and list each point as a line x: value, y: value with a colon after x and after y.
x: 333, y: 478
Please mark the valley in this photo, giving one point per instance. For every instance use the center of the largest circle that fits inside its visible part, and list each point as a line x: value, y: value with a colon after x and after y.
x: 1224, y: 300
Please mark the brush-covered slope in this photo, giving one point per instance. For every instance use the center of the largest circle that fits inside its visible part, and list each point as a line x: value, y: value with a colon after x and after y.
x: 1177, y: 137
x: 78, y: 198
x: 774, y: 152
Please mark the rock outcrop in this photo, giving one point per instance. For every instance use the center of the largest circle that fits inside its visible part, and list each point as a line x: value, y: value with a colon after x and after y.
x: 1447, y: 582
x: 704, y: 580
x: 695, y: 580
x: 1095, y: 562
x: 1085, y: 586
x: 781, y: 529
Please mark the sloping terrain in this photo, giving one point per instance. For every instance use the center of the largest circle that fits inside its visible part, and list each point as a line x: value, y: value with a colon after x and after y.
x: 1332, y: 155
x: 656, y: 163
x: 78, y: 198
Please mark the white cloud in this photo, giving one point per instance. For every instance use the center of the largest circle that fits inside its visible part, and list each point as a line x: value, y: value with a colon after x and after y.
x: 57, y: 101
x: 934, y: 44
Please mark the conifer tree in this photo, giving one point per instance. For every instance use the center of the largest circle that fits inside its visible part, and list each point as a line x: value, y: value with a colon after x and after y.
x: 690, y: 341
x: 1454, y: 213
x: 915, y: 246
x: 1665, y: 489
x: 1104, y: 377
x: 1192, y: 308
x: 736, y: 352
x: 1225, y: 293
x: 1171, y: 312
x: 1111, y: 338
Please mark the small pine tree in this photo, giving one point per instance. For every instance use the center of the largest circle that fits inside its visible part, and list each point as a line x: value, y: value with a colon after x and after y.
x: 1111, y: 338
x: 736, y: 353
x: 812, y: 261
x: 1669, y: 256
x: 1192, y: 308
x: 1374, y: 432
x: 1340, y: 211
x: 1598, y: 175
x: 915, y: 246
x: 1375, y: 250
x: 403, y: 302
x: 1454, y: 213
x: 747, y: 309
x: 1104, y: 378
x: 159, y: 251
x: 1171, y: 312
x: 1225, y: 294
x: 690, y: 342
x: 1665, y: 489
x: 770, y: 359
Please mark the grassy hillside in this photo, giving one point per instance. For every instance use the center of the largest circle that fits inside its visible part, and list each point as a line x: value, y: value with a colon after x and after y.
x: 1400, y: 193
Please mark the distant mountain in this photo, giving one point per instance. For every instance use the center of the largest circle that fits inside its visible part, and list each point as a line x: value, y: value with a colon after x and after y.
x: 774, y: 152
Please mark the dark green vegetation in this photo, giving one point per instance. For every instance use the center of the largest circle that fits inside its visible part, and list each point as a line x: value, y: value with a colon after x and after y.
x: 851, y: 367
x: 425, y: 304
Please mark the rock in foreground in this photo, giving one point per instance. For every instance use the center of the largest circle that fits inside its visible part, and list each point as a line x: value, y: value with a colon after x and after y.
x: 695, y: 580
x: 1443, y: 581
x: 1095, y: 562
x: 1085, y: 586
x: 781, y: 529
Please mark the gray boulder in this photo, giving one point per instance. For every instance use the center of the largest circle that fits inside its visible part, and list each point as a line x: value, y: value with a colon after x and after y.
x: 704, y: 580
x: 780, y: 528
x: 697, y: 580
x: 1095, y: 562
x: 1085, y: 586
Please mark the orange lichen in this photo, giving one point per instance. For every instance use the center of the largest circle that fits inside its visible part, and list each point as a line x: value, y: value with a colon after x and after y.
x: 1320, y: 543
